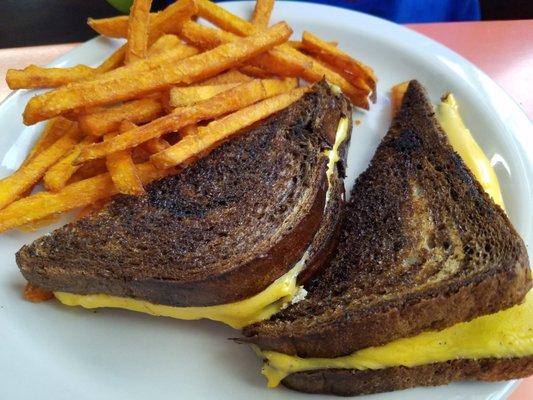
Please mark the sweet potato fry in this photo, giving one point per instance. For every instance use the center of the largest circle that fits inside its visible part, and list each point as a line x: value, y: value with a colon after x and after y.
x: 36, y: 225
x: 262, y: 11
x: 273, y: 61
x: 53, y: 130
x: 138, y: 30
x: 25, y: 177
x: 79, y: 194
x: 122, y: 169
x: 188, y: 95
x: 164, y: 43
x: 136, y: 111
x: 363, y: 76
x: 397, y: 92
x: 188, y: 130
x: 165, y: 21
x: 155, y: 145
x: 312, y: 71
x: 160, y: 77
x: 219, y: 130
x: 89, y: 170
x: 115, y: 60
x: 231, y: 76
x: 57, y: 176
x: 256, y: 72
x: 40, y: 77
x: 223, y: 103
x: 36, y: 294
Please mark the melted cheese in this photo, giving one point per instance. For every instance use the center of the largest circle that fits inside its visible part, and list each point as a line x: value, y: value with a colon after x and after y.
x: 237, y: 314
x: 464, y: 144
x: 505, y: 334
x: 508, y: 333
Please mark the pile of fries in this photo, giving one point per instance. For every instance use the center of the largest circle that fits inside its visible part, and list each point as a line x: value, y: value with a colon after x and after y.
x: 174, y: 91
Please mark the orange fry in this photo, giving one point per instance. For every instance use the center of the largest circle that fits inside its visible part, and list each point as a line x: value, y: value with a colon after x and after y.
x: 138, y: 30
x: 162, y: 76
x: 219, y: 130
x: 89, y: 170
x: 256, y: 72
x: 363, y: 76
x: 164, y: 43
x: 397, y: 92
x: 36, y: 294
x: 262, y: 11
x: 231, y: 76
x: 313, y: 71
x: 25, y: 177
x: 155, y: 145
x: 79, y: 194
x: 53, y: 130
x: 122, y: 169
x: 273, y: 61
x: 41, y: 77
x: 115, y: 60
x: 223, y: 103
x: 108, y: 120
x: 188, y: 95
x: 57, y: 176
x: 165, y: 21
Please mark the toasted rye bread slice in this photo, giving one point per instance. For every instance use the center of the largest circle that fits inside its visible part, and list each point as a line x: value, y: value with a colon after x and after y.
x: 423, y: 247
x: 348, y: 382
x: 220, y: 231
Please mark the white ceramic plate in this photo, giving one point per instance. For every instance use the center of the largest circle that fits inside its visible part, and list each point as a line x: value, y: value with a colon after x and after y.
x: 51, y: 351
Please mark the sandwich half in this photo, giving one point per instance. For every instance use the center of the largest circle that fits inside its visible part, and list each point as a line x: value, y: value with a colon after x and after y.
x: 422, y: 288
x: 229, y: 238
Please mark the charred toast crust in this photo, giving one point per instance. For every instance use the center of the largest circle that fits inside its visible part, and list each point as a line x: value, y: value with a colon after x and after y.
x: 348, y: 382
x: 381, y: 286
x: 220, y: 231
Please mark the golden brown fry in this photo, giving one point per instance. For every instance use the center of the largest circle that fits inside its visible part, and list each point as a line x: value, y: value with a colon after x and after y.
x: 25, y: 177
x: 397, y: 92
x: 89, y: 170
x: 58, y: 175
x: 122, y: 169
x: 79, y: 194
x: 362, y: 75
x: 262, y: 11
x: 231, y: 76
x: 188, y: 95
x: 36, y: 294
x: 256, y: 72
x: 91, y: 208
x: 219, y: 130
x: 223, y: 103
x: 34, y: 76
x: 35, y: 225
x: 115, y: 60
x: 166, y: 21
x: 138, y: 30
x: 273, y: 61
x: 41, y: 77
x: 313, y: 71
x: 160, y: 77
x: 108, y: 120
x: 164, y: 43
x: 155, y: 145
x: 53, y: 130
x: 188, y: 130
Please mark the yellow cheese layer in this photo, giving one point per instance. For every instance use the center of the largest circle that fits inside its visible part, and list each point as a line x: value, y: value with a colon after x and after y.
x: 464, y: 144
x: 508, y: 333
x: 238, y: 314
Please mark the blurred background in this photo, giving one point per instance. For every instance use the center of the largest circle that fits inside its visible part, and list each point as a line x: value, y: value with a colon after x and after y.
x: 38, y: 22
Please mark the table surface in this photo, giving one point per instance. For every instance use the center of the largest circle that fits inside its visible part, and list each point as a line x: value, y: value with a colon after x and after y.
x: 502, y: 49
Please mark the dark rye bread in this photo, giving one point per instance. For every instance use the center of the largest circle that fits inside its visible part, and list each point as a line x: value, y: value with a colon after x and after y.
x: 423, y: 247
x: 220, y: 231
x: 349, y: 382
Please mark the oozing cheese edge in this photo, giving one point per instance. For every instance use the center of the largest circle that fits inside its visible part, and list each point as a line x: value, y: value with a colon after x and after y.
x: 508, y: 333
x: 238, y: 314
